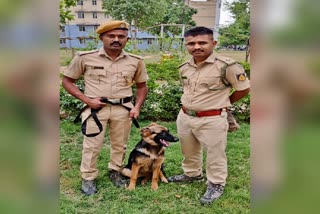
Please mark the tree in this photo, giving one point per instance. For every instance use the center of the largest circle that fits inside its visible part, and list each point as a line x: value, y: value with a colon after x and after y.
x: 65, y: 13
x: 136, y: 12
x: 177, y: 12
x: 237, y: 33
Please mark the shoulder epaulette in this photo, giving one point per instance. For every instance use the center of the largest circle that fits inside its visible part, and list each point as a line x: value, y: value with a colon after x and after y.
x: 135, y: 56
x: 80, y: 53
x: 223, y: 69
x: 182, y: 64
x: 226, y: 60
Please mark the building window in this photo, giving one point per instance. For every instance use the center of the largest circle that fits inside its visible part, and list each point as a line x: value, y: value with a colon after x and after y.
x: 80, y: 15
x: 94, y: 15
x: 139, y: 41
x: 82, y: 28
x: 149, y: 41
x: 95, y: 27
x: 62, y: 41
x: 107, y: 16
x: 62, y: 29
x: 80, y: 2
x: 94, y: 2
x: 82, y: 40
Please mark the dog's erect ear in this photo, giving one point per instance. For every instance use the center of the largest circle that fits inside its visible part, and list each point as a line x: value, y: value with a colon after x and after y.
x: 145, y: 132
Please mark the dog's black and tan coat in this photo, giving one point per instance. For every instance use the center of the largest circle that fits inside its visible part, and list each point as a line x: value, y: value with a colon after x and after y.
x: 147, y: 157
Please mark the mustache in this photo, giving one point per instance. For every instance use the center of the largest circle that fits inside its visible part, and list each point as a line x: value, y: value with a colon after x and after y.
x: 118, y: 43
x: 196, y: 50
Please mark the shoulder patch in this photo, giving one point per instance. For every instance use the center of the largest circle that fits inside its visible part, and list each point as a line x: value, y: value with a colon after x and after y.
x: 182, y: 64
x: 80, y: 53
x: 226, y: 60
x: 241, y: 77
x: 135, y: 56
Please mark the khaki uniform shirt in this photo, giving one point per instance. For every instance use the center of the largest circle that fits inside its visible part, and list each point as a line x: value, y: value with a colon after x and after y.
x: 105, y: 77
x: 203, y: 88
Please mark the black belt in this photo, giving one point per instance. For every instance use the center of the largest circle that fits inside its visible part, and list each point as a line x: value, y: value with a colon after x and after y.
x: 95, y: 111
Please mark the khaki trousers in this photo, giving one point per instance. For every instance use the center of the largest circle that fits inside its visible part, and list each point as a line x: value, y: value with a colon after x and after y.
x: 117, y: 119
x: 204, y: 133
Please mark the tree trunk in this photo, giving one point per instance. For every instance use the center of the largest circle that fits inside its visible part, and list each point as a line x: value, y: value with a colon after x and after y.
x: 135, y: 36
x: 161, y: 42
x: 73, y: 52
x: 135, y: 41
x: 247, y: 50
x: 182, y: 44
x: 170, y: 43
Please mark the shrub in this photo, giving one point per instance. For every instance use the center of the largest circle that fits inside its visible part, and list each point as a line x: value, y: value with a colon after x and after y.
x: 241, y: 109
x: 163, y: 102
x: 68, y: 104
x: 167, y: 69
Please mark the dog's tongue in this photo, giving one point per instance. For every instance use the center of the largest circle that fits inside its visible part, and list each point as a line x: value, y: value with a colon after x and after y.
x: 165, y: 143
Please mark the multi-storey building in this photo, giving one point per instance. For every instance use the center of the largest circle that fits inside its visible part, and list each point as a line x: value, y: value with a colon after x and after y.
x: 88, y: 15
x: 208, y: 13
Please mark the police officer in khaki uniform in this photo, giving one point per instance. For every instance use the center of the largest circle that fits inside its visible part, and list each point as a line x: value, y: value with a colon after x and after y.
x: 202, y: 121
x: 109, y: 73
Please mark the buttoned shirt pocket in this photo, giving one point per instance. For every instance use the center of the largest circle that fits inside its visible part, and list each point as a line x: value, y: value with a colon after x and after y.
x: 211, y: 83
x: 185, y: 81
x: 124, y: 82
x: 187, y: 78
x: 126, y: 78
x: 95, y: 74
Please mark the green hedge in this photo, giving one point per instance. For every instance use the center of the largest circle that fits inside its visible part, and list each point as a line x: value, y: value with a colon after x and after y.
x: 163, y: 101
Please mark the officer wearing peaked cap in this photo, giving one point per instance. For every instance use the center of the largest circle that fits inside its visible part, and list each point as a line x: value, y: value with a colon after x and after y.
x: 112, y: 25
x: 109, y: 74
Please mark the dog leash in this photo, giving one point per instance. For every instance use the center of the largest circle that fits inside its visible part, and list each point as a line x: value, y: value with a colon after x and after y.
x: 95, y: 118
x: 134, y: 120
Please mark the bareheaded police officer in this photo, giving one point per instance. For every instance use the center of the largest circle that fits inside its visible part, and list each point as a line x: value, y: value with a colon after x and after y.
x: 202, y: 123
x: 109, y: 74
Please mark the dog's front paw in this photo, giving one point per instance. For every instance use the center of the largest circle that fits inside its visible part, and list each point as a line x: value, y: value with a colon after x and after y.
x: 131, y: 187
x: 154, y: 187
x: 164, y: 180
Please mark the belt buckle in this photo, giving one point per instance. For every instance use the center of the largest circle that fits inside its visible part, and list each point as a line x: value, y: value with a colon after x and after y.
x: 190, y: 112
x: 114, y: 101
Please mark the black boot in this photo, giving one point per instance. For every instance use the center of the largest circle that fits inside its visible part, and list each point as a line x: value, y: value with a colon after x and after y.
x: 89, y: 187
x: 117, y: 178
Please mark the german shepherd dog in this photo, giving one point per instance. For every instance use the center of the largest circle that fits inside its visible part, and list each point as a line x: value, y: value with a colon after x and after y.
x: 147, y: 157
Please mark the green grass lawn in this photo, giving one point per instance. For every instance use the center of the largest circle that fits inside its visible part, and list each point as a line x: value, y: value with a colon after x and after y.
x: 236, y: 55
x: 169, y: 198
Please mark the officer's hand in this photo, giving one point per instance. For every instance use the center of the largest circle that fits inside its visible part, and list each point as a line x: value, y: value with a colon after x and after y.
x: 95, y: 103
x: 134, y: 113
